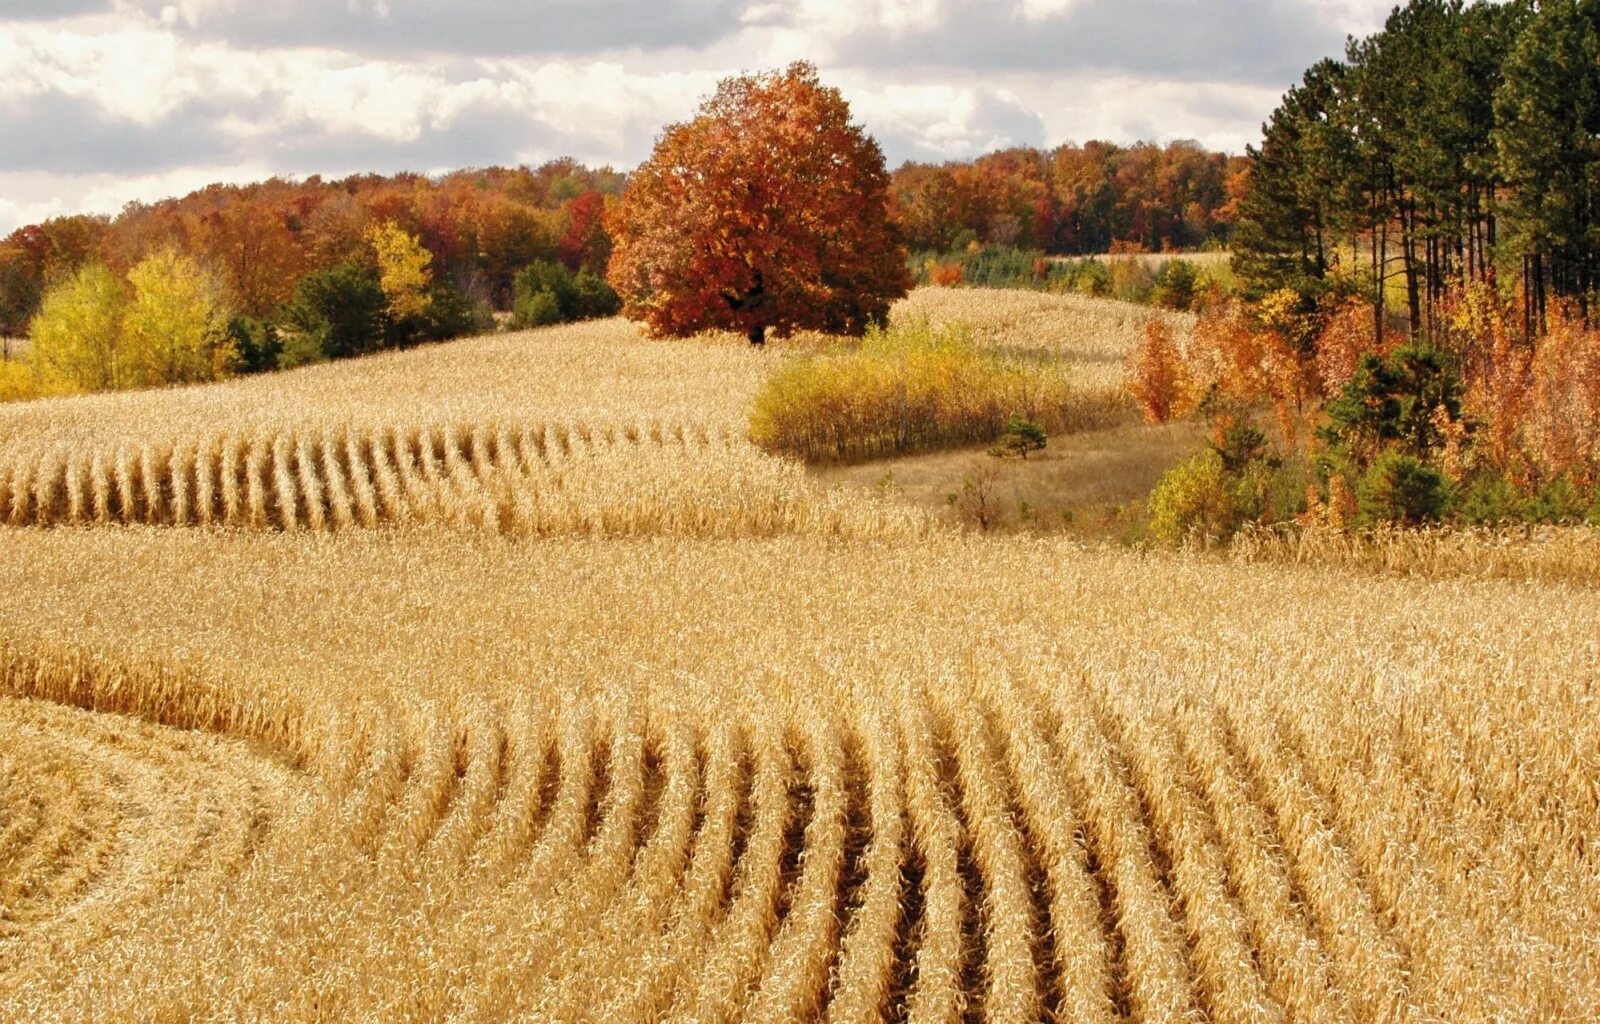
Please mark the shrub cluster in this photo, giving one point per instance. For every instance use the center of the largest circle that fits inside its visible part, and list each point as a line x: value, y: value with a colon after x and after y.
x: 546, y: 293
x: 343, y: 312
x: 173, y: 319
x: 1481, y: 421
x: 906, y: 389
x: 1175, y: 283
x: 163, y: 323
x: 1393, y: 450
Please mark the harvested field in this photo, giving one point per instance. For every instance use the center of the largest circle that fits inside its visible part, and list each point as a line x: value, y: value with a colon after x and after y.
x: 607, y: 716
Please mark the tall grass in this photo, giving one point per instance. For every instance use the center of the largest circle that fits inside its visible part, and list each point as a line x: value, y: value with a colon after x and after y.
x: 907, y: 388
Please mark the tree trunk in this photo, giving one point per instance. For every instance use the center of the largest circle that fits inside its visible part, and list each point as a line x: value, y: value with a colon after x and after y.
x: 758, y: 335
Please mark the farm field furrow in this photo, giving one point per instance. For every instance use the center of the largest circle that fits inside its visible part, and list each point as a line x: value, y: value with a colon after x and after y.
x: 507, y: 680
x: 556, y: 826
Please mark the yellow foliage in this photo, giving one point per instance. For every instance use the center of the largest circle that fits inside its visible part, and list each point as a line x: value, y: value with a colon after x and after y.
x: 77, y: 333
x: 403, y: 272
x: 175, y: 327
x: 904, y: 389
x: 16, y: 381
x: 166, y: 325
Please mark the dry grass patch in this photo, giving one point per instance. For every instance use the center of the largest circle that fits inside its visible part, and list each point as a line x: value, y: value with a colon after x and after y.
x: 650, y: 776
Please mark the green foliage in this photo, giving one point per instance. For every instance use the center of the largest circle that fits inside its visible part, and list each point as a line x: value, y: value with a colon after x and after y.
x: 1284, y: 495
x: 1177, y: 285
x: 1172, y: 284
x: 596, y: 298
x: 1400, y: 489
x: 1022, y: 436
x: 450, y: 314
x: 1091, y: 277
x: 1396, y: 401
x: 535, y: 309
x: 1488, y: 498
x: 1196, y: 501
x: 334, y: 314
x: 546, y: 292
x: 903, y: 389
x: 256, y: 342
x: 1560, y: 501
x: 301, y: 348
x: 1238, y: 444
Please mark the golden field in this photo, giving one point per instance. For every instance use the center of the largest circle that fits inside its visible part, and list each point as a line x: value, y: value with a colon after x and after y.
x: 814, y: 755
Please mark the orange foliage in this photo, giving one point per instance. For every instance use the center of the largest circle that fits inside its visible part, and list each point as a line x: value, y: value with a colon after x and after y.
x: 1228, y: 356
x: 1158, y: 377
x: 1561, y: 426
x: 1348, y: 335
x: 945, y: 275
x: 1482, y: 336
x: 480, y: 226
x: 767, y: 212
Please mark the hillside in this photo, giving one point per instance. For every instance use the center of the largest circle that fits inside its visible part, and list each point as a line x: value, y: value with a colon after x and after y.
x: 726, y: 744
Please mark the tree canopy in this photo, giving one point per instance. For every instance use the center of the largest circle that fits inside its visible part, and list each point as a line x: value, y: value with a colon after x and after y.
x: 768, y: 212
x: 1458, y: 146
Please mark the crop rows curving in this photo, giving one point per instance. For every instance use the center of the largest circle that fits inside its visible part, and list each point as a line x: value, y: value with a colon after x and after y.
x: 1020, y: 853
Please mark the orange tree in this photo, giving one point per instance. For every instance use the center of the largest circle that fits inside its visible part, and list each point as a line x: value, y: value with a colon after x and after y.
x: 766, y: 212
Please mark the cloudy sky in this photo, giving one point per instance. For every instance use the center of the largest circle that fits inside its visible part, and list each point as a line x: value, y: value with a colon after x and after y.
x: 104, y: 101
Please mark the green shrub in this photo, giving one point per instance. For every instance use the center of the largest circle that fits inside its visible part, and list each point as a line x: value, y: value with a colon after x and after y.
x: 1092, y: 277
x: 1177, y: 285
x: 1197, y: 500
x: 1488, y: 498
x: 546, y: 292
x: 595, y: 297
x: 903, y: 389
x: 256, y: 342
x: 1239, y: 444
x: 538, y: 309
x: 1286, y: 491
x: 452, y: 315
x: 1021, y: 437
x: 300, y: 348
x: 334, y: 314
x: 1394, y: 402
x: 1400, y: 489
x: 1560, y: 501
x: 1132, y: 280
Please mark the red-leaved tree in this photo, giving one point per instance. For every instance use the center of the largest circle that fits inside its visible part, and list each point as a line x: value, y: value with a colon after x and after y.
x: 768, y: 212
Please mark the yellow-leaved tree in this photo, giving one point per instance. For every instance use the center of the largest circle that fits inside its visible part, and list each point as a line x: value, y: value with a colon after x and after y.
x: 77, y: 333
x: 167, y: 324
x: 403, y: 272
x: 175, y: 328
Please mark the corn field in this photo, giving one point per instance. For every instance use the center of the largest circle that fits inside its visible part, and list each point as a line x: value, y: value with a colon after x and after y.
x: 423, y: 777
x: 428, y: 768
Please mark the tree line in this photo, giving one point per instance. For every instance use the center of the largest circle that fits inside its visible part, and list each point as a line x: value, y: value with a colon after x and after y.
x: 1455, y: 147
x: 1073, y: 200
x: 482, y: 227
x: 300, y: 271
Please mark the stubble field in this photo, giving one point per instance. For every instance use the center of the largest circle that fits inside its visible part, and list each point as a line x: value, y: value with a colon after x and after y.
x: 643, y: 724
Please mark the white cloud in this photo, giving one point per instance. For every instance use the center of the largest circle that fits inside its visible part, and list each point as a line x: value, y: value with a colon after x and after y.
x: 389, y: 101
x: 944, y: 122
x: 157, y: 96
x: 31, y: 197
x: 1043, y: 10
